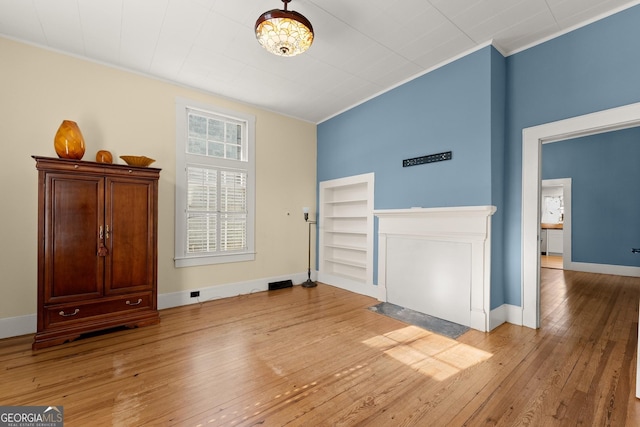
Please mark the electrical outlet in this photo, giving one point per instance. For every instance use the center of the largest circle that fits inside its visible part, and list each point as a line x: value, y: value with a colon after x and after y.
x: 195, y: 294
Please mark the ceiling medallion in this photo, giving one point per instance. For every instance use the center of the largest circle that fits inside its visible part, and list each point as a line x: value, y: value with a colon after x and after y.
x: 284, y: 32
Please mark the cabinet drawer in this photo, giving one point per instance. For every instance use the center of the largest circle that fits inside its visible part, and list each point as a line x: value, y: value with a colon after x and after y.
x: 66, y: 313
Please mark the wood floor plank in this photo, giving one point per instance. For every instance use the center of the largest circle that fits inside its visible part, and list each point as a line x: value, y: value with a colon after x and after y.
x: 319, y: 357
x: 551, y: 261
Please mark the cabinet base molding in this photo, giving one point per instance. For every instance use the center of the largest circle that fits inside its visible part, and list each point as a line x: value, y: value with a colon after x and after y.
x: 70, y: 333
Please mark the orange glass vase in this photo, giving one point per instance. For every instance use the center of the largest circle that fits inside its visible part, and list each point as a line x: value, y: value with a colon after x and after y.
x: 69, y: 142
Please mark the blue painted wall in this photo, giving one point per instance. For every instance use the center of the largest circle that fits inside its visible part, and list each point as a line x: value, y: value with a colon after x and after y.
x: 590, y: 69
x: 477, y: 107
x: 448, y: 109
x: 498, y: 126
x: 605, y: 172
x: 458, y: 108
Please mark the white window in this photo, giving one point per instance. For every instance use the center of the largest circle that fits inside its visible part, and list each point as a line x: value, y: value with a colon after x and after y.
x: 215, y: 185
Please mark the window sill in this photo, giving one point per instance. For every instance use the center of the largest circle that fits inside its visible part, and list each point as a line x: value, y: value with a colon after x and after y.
x: 217, y: 259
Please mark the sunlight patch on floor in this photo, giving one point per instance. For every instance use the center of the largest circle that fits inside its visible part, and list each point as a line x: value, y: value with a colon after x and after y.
x: 431, y: 354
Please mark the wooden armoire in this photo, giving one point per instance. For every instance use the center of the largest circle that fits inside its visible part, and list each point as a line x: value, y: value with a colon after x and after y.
x: 97, y: 248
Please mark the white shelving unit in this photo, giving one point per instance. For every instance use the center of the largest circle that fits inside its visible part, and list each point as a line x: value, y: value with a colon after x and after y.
x: 346, y: 230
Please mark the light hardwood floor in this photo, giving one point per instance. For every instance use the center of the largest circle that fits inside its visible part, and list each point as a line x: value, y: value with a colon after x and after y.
x: 318, y: 357
x: 551, y: 261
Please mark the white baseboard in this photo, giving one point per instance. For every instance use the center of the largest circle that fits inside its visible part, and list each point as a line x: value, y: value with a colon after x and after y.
x: 350, y: 285
x: 23, y: 325
x: 208, y: 293
x: 617, y: 270
x: 513, y: 314
x: 505, y: 313
x: 19, y: 325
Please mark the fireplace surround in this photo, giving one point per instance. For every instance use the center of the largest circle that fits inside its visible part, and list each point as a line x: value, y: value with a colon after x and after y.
x: 437, y: 261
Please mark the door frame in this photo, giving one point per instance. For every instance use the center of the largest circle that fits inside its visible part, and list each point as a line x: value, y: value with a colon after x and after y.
x: 532, y: 139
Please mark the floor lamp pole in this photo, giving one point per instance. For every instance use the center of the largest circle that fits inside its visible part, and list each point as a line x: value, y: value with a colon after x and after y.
x: 309, y: 283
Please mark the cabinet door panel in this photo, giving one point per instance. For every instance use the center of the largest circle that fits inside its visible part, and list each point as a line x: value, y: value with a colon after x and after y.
x: 555, y: 241
x: 74, y: 212
x: 129, y: 209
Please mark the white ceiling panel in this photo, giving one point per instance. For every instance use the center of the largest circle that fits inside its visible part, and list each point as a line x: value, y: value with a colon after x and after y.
x: 101, y: 25
x: 361, y: 47
x: 60, y: 22
x: 441, y: 35
x: 486, y: 27
x: 527, y: 32
x: 169, y: 57
x: 142, y: 22
x: 19, y: 20
x: 436, y: 54
x: 573, y: 12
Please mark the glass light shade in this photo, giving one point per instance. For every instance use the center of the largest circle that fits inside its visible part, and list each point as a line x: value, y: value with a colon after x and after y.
x: 284, y: 32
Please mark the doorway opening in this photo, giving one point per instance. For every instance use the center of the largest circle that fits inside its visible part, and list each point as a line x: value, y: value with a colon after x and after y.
x: 555, y: 223
x: 603, y: 121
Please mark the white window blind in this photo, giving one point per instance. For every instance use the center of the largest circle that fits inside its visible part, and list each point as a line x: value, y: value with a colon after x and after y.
x: 214, y: 187
x: 216, y: 210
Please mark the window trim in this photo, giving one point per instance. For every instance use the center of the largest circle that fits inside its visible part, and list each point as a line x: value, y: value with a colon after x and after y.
x: 181, y: 257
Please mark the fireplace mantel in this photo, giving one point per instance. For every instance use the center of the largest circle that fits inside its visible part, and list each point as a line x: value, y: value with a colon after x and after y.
x: 437, y: 261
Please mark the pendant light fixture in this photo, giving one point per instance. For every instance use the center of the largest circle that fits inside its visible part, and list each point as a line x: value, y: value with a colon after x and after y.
x: 284, y: 32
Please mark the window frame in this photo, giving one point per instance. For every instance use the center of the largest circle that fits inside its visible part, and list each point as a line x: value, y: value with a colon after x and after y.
x: 181, y: 257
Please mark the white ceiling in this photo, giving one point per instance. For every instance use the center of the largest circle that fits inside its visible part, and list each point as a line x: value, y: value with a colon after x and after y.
x: 361, y: 48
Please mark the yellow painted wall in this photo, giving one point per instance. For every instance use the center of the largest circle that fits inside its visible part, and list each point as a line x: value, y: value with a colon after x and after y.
x: 127, y: 113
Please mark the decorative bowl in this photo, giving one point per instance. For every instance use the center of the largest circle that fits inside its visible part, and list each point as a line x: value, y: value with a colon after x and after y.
x: 137, y: 160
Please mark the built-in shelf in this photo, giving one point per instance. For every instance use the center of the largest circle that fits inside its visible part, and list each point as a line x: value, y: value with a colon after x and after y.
x: 346, y: 217
x: 347, y: 248
x: 346, y: 228
x: 364, y: 233
x: 346, y: 262
x: 346, y: 201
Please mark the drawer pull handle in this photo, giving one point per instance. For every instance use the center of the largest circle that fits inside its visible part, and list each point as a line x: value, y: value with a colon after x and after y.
x: 63, y: 314
x: 134, y: 303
